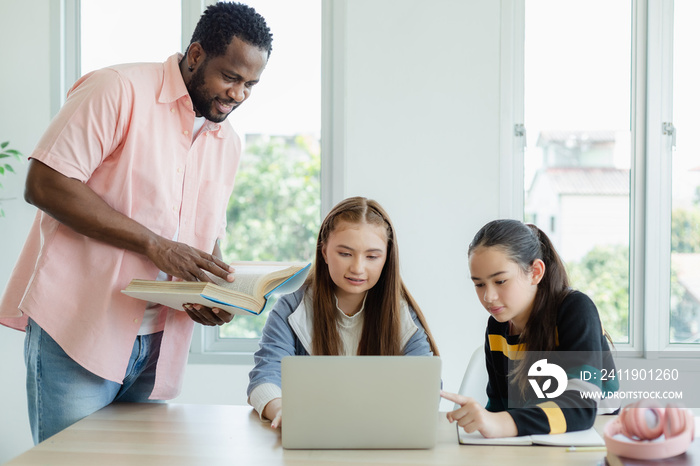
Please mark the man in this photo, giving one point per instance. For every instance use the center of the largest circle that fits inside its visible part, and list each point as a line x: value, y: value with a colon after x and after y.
x: 132, y: 179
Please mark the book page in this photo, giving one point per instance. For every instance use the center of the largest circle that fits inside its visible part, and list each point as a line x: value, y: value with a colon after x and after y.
x: 246, y: 277
x: 475, y: 438
x: 581, y: 438
x: 287, y: 284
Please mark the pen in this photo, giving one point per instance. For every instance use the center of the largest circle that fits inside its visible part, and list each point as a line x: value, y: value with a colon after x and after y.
x: 586, y: 449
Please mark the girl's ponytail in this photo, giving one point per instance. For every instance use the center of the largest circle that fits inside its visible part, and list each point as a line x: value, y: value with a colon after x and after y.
x: 556, y: 276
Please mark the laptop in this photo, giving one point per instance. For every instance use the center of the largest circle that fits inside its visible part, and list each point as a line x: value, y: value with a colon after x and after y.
x: 360, y: 402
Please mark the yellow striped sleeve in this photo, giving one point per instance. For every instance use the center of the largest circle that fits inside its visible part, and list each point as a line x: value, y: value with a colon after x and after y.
x: 555, y: 416
x: 512, y: 352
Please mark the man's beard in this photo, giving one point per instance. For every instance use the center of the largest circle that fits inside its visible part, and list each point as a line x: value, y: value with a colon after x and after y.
x: 201, y: 101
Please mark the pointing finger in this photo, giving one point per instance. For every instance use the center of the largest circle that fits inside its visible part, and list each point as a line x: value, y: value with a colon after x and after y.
x: 453, y: 397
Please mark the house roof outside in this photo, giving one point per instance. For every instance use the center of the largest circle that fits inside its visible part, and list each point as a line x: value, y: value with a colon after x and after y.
x: 587, y: 180
x: 572, y: 138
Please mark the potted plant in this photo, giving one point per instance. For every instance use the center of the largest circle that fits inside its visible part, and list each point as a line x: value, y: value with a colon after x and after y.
x: 5, y: 166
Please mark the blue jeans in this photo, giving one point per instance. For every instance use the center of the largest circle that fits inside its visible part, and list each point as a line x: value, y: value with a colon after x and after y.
x: 60, y: 391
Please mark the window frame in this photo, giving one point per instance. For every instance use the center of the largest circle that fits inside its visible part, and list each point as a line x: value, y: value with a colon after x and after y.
x: 650, y: 184
x: 659, y: 98
x: 207, y: 347
x: 64, y: 54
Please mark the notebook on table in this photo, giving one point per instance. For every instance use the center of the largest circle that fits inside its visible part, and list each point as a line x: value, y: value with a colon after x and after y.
x: 582, y: 438
x: 360, y: 402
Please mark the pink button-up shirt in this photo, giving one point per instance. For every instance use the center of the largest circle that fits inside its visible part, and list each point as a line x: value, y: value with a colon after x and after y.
x: 125, y: 131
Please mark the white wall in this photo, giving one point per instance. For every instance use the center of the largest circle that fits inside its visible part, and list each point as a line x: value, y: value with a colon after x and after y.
x: 422, y: 126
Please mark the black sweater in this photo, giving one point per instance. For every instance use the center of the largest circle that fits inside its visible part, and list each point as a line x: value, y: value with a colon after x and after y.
x: 579, y: 331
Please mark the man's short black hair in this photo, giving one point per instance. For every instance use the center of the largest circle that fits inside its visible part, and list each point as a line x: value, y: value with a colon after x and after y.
x: 223, y: 21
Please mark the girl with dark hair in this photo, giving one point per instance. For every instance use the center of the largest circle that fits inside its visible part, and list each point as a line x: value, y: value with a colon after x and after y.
x: 354, y: 302
x: 521, y: 281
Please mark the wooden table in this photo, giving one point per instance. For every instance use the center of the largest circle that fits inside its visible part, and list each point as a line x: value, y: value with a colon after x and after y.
x: 178, y: 434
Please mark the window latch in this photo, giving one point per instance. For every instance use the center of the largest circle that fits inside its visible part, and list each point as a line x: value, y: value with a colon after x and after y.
x: 670, y: 130
x: 519, y: 131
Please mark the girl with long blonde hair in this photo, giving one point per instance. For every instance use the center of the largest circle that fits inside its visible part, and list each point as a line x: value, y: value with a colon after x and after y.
x: 354, y: 302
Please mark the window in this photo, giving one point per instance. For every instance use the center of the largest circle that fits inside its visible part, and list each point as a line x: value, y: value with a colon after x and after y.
x: 578, y: 159
x: 102, y: 26
x: 89, y: 34
x: 275, y: 211
x: 685, y: 181
x: 608, y: 110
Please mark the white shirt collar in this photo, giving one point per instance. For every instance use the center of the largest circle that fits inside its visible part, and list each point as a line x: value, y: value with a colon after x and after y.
x: 301, y: 321
x: 362, y: 307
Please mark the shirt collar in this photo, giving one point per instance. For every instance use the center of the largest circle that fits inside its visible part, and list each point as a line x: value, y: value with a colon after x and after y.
x: 174, y: 88
x: 173, y: 85
x: 337, y: 306
x: 301, y: 321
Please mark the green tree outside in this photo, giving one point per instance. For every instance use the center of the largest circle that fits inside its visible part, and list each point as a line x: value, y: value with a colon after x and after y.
x: 685, y: 227
x: 603, y: 274
x: 685, y: 242
x: 275, y: 211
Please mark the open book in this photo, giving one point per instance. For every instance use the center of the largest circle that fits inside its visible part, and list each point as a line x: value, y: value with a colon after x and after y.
x: 248, y: 294
x: 581, y: 438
